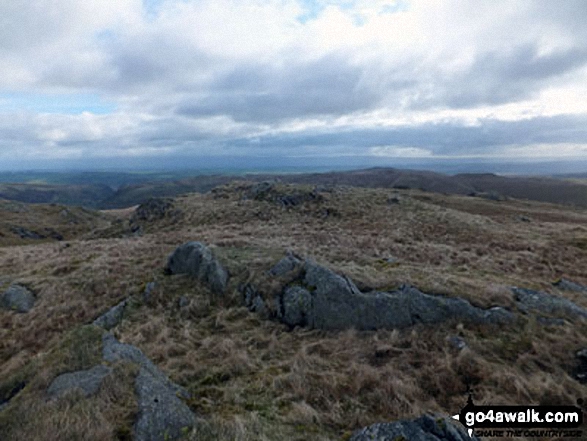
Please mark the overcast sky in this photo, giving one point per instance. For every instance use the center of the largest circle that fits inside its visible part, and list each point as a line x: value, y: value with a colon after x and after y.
x: 297, y: 78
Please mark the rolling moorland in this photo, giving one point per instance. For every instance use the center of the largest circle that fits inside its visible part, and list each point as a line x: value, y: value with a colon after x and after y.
x: 108, y: 190
x: 495, y: 290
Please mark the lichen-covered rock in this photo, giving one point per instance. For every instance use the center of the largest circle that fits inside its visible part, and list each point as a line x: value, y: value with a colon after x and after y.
x: 162, y: 414
x: 425, y: 428
x: 87, y: 381
x: 323, y: 299
x: 17, y: 298
x: 112, y: 317
x: 196, y: 259
x: 529, y: 300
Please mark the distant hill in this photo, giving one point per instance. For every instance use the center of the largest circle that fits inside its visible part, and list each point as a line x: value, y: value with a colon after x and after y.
x: 88, y: 195
x: 571, y: 191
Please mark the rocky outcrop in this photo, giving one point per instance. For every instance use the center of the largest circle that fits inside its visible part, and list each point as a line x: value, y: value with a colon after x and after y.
x: 162, y: 414
x: 267, y: 191
x: 322, y: 299
x: 537, y: 301
x: 196, y: 260
x: 154, y: 209
x: 112, y: 317
x: 87, y: 381
x: 425, y: 428
x: 17, y: 298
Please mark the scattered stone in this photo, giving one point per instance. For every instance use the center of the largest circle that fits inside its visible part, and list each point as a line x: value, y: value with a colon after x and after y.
x: 162, y: 414
x: 196, y: 259
x: 425, y: 428
x: 393, y: 200
x: 183, y: 301
x: 25, y: 233
x: 266, y: 191
x: 323, y: 299
x: 567, y: 285
x: 259, y: 191
x: 10, y: 394
x: 457, y: 342
x: 17, y: 298
x: 524, y: 219
x: 88, y: 381
x: 112, y: 317
x: 529, y: 300
x: 147, y: 293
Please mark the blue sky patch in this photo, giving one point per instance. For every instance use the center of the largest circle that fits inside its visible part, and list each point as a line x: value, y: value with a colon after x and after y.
x: 54, y: 103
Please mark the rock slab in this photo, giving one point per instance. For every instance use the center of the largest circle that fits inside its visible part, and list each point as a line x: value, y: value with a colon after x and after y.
x: 17, y: 298
x: 196, y: 260
x: 88, y: 381
x: 425, y: 428
x: 529, y: 300
x: 112, y: 317
x: 323, y: 299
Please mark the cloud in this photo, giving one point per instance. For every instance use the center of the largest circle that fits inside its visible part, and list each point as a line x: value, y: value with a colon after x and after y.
x: 292, y: 77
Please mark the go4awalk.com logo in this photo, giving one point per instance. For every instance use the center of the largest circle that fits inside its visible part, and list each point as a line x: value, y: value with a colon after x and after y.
x: 528, y: 421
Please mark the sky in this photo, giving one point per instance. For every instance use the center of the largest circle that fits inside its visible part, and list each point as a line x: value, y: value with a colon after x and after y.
x: 132, y: 80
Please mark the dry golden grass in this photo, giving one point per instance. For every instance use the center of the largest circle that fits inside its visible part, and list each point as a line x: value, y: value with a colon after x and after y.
x: 256, y: 379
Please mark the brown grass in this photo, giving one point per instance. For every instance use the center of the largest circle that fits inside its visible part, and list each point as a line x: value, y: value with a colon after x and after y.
x: 256, y: 379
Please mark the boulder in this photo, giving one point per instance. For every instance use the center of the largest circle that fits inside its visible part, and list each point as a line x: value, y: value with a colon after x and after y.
x: 425, y: 428
x: 17, y: 298
x: 323, y: 299
x: 162, y: 414
x: 87, y: 381
x: 253, y: 300
x: 529, y: 300
x: 112, y: 317
x: 196, y: 259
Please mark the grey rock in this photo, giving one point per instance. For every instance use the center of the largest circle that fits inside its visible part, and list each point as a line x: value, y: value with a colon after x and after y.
x: 285, y: 265
x: 88, y: 381
x: 567, y: 285
x: 17, y: 298
x: 260, y: 190
x: 529, y: 300
x: 393, y: 200
x: 112, y: 317
x: 25, y: 233
x: 326, y: 300
x: 457, y: 342
x: 295, y: 307
x: 162, y: 415
x: 113, y: 351
x: 253, y: 300
x: 154, y: 209
x: 550, y: 321
x: 147, y: 293
x: 183, y: 301
x: 425, y: 428
x: 196, y: 259
x: 582, y: 354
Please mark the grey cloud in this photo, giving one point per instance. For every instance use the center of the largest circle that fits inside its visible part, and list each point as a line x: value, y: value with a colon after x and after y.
x: 502, y: 77
x: 328, y: 86
x: 442, y: 139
